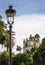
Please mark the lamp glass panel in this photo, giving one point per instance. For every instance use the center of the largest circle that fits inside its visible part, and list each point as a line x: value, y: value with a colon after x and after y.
x: 10, y: 20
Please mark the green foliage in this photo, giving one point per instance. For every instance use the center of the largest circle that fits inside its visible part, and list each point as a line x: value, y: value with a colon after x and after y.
x: 18, y: 48
x: 33, y: 49
x: 12, y: 40
x: 22, y: 58
x: 39, y: 56
x: 4, y: 58
x: 22, y: 63
x: 0, y: 17
x: 4, y: 37
x: 36, y: 56
x: 19, y: 59
x: 37, y: 36
x: 43, y: 43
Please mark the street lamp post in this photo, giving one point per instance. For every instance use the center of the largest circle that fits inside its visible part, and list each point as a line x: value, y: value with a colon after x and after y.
x: 10, y: 20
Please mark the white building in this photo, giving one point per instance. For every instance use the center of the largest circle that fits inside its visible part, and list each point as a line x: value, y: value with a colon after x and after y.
x: 31, y: 42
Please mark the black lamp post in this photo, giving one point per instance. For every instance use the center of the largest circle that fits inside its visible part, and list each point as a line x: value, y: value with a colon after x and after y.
x: 10, y: 20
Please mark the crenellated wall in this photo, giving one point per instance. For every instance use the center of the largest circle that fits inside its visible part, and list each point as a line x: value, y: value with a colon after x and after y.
x: 30, y: 42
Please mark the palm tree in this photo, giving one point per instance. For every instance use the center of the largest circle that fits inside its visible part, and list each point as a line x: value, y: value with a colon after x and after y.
x: 3, y: 32
x: 12, y: 40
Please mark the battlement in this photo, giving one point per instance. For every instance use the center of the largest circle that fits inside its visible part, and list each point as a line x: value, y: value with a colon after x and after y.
x: 31, y: 41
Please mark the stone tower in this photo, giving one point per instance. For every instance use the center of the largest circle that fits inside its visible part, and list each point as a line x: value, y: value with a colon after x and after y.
x: 30, y: 42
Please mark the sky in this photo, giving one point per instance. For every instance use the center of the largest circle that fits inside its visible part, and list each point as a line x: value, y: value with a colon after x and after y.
x: 29, y: 19
x: 23, y: 7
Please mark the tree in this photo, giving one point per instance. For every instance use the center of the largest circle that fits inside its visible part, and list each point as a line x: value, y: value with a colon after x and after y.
x: 4, y: 37
x: 18, y: 48
x: 19, y: 59
x: 12, y: 40
x: 33, y: 49
x: 37, y: 36
x: 22, y: 58
x: 4, y: 58
x: 0, y: 17
x: 22, y: 63
x: 43, y: 43
x: 39, y: 56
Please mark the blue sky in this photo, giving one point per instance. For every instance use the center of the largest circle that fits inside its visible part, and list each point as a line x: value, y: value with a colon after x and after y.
x: 23, y: 6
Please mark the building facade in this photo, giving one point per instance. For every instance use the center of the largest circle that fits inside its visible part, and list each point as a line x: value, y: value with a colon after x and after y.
x: 31, y: 42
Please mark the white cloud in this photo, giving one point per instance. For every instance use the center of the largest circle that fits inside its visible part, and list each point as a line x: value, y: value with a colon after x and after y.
x: 28, y: 24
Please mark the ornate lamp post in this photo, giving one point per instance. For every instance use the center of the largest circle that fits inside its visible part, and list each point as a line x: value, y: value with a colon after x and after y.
x: 10, y: 20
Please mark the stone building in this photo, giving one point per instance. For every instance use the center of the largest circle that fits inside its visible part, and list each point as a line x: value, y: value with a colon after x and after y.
x: 31, y: 42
